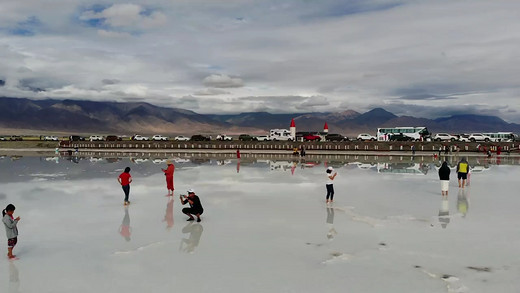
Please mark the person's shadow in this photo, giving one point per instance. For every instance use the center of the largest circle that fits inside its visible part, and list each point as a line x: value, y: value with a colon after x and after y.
x: 195, y: 232
x: 463, y: 201
x: 125, y: 230
x: 168, y: 217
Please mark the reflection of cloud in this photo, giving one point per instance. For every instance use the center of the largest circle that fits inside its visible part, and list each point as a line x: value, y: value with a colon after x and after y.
x: 3, y: 196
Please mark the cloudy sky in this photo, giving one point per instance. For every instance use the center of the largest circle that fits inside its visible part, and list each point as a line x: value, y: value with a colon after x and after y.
x: 422, y: 58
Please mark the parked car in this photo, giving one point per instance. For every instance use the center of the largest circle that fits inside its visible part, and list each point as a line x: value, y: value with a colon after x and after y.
x: 335, y: 137
x: 76, y: 138
x: 311, y: 137
x: 246, y: 137
x: 444, y: 137
x: 96, y: 138
x: 199, y: 137
x: 181, y: 138
x: 113, y: 138
x: 140, y: 137
x: 464, y: 137
x: 400, y: 137
x: 262, y: 138
x: 366, y: 137
x: 479, y: 137
x: 50, y: 137
x: 159, y: 137
x: 15, y: 138
x: 224, y: 137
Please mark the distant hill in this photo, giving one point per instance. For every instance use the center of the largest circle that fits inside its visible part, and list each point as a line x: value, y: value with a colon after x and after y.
x: 73, y: 116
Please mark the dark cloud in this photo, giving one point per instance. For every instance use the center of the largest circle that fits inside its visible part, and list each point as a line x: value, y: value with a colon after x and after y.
x: 2, y: 82
x: 110, y: 81
x: 425, y: 97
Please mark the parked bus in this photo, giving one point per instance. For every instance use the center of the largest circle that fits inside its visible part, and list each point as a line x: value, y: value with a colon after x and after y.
x: 502, y: 136
x: 416, y: 133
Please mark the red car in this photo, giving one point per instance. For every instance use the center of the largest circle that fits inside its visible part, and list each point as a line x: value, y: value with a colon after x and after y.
x: 311, y: 137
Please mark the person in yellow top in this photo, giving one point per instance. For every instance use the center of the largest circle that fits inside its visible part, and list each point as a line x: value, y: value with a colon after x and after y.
x: 462, y: 172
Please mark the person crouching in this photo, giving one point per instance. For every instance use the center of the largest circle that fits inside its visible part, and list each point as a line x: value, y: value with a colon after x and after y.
x: 195, y: 205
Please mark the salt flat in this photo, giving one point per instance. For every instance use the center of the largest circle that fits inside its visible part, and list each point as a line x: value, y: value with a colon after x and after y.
x: 266, y: 228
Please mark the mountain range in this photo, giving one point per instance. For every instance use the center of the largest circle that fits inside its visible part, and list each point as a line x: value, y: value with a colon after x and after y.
x: 76, y: 116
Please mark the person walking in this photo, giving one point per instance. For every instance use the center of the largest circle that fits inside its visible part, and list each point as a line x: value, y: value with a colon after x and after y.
x: 125, y: 179
x: 11, y: 230
x: 330, y: 184
x: 168, y: 172
x: 195, y: 205
x: 462, y: 172
x: 444, y: 176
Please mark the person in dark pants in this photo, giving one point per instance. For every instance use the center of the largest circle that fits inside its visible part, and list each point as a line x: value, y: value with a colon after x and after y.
x: 125, y: 179
x: 195, y: 205
x: 329, y: 184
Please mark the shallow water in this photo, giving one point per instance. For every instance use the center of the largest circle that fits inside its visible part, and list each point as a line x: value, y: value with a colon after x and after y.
x: 266, y: 227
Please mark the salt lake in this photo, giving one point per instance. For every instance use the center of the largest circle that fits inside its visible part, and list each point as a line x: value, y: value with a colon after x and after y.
x: 266, y: 226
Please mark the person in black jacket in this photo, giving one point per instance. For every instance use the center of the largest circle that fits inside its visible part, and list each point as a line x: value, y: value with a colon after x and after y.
x: 444, y: 176
x: 195, y: 205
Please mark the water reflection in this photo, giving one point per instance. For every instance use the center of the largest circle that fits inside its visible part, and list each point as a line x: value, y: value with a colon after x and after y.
x: 125, y: 230
x: 14, y: 278
x: 168, y: 217
x: 330, y: 222
x: 463, y: 201
x: 444, y: 212
x: 195, y: 232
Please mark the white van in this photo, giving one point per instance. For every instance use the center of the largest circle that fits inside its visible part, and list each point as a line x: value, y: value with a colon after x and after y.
x: 280, y: 134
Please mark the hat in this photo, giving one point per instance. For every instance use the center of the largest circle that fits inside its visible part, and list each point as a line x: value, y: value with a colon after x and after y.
x: 330, y: 168
x: 191, y: 190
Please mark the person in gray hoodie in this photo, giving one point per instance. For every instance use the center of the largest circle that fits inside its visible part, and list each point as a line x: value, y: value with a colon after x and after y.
x: 10, y: 229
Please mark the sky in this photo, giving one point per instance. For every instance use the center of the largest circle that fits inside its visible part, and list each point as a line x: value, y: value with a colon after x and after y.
x: 432, y: 58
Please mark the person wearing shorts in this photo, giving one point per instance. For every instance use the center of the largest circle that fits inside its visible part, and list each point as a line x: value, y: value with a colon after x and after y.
x: 462, y: 172
x: 444, y: 176
x: 11, y: 230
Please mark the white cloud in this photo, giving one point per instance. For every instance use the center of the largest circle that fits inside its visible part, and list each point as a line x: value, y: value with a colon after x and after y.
x: 355, y: 53
x: 222, y: 81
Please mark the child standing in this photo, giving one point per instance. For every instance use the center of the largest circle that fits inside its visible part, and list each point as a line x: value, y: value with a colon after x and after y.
x: 10, y: 229
x: 125, y: 179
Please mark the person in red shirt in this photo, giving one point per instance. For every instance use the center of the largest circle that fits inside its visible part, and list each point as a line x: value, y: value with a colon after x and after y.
x: 125, y: 179
x: 168, y: 172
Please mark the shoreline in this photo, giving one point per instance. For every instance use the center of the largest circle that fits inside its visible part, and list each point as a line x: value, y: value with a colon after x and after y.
x: 110, y: 151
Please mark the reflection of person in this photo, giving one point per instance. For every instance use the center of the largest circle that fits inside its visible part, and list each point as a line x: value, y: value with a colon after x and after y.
x: 462, y: 171
x: 195, y: 205
x: 195, y: 230
x: 329, y: 184
x: 444, y: 176
x: 11, y: 230
x: 168, y: 172
x: 168, y: 217
x: 462, y: 202
x: 14, y: 278
x: 330, y: 220
x: 125, y: 230
x: 125, y: 179
x: 444, y: 212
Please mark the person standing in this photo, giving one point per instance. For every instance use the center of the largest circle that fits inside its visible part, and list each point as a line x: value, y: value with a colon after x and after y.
x: 11, y: 230
x: 125, y: 179
x: 444, y: 176
x: 168, y: 172
x: 195, y: 205
x: 330, y: 184
x: 462, y: 172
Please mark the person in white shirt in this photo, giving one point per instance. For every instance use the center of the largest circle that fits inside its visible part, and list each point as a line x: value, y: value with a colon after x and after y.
x: 331, y: 174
